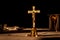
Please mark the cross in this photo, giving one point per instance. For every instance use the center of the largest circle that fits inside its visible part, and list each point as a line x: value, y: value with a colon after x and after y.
x: 33, y: 11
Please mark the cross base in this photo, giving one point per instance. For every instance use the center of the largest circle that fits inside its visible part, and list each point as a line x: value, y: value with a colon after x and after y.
x: 33, y: 33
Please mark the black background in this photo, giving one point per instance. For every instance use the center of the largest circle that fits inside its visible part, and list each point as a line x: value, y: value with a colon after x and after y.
x: 15, y: 12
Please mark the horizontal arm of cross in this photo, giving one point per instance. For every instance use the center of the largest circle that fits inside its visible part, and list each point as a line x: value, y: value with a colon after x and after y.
x: 37, y: 11
x: 30, y: 11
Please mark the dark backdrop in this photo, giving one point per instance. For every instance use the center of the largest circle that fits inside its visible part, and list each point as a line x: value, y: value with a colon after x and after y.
x: 15, y: 12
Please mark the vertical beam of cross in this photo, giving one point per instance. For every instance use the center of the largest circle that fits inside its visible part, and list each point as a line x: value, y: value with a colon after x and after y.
x: 33, y: 11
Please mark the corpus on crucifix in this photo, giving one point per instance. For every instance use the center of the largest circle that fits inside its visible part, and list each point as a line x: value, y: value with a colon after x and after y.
x: 33, y: 11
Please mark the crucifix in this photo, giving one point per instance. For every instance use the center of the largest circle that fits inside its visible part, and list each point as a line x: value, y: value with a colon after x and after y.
x: 33, y: 11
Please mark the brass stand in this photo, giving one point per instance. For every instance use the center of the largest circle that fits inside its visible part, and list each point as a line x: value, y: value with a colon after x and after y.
x: 33, y: 32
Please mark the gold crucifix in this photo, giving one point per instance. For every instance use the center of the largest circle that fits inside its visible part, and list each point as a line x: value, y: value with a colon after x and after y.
x: 33, y: 11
